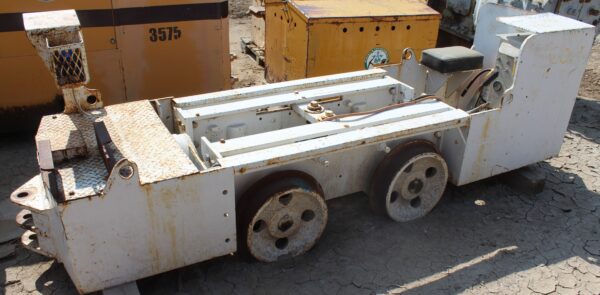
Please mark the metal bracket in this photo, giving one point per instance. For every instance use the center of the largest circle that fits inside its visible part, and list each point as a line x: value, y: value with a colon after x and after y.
x: 107, y: 151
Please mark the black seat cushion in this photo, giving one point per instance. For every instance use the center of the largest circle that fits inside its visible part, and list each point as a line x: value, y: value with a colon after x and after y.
x: 452, y: 59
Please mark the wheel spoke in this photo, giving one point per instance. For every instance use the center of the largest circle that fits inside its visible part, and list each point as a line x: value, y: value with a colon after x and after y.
x: 420, y: 166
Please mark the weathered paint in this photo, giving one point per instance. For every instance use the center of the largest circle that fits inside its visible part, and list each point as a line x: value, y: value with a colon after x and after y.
x: 530, y: 123
x: 314, y: 38
x: 152, y: 228
x: 146, y: 223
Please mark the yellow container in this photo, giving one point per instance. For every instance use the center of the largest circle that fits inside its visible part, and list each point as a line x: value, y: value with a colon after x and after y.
x: 136, y: 49
x: 307, y: 38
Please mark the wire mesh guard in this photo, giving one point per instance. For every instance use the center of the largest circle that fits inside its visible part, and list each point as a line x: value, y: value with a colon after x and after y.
x: 68, y: 66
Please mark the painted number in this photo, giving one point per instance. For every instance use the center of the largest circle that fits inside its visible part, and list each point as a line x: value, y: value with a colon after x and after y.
x: 165, y: 34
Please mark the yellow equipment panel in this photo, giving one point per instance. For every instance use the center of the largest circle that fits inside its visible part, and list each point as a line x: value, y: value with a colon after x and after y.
x: 136, y: 49
x: 308, y: 38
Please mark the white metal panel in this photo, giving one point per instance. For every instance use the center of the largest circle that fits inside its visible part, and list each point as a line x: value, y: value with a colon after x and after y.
x: 543, y: 23
x: 320, y: 129
x: 228, y: 108
x: 263, y: 114
x: 32, y: 195
x: 531, y: 123
x: 276, y: 156
x: 347, y: 172
x: 134, y: 230
x: 486, y: 40
x: 272, y: 89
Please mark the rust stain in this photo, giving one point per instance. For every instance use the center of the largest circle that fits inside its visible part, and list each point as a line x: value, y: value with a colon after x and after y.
x: 147, y: 189
x: 273, y: 161
x: 482, y: 148
x: 486, y: 129
x: 168, y: 198
x: 155, y: 256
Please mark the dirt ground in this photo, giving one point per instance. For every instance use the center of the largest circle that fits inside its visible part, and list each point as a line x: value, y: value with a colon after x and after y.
x: 590, y: 85
x: 239, y: 8
x: 244, y: 68
x: 481, y: 238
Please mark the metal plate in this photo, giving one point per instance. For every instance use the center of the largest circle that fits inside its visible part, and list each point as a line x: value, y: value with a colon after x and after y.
x: 361, y: 8
x: 71, y: 134
x: 142, y: 138
x: 82, y: 177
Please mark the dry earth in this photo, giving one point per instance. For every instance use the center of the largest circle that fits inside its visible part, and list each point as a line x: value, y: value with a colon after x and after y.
x: 239, y: 8
x: 481, y: 238
x: 590, y: 85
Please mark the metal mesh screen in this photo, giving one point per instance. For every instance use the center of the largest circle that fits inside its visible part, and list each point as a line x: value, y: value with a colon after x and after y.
x: 68, y: 66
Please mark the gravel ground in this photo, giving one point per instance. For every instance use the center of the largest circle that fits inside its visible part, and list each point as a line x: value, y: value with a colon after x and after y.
x: 481, y: 238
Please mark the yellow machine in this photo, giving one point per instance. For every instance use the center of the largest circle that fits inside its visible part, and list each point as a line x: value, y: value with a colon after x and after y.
x: 137, y: 49
x: 307, y: 38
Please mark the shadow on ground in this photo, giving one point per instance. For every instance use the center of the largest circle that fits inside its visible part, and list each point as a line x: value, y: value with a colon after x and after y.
x: 457, y: 246
x: 585, y: 120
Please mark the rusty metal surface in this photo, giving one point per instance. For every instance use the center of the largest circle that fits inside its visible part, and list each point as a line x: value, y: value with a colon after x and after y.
x: 67, y: 132
x: 31, y: 195
x: 57, y: 37
x: 138, y: 135
x: 306, y: 40
x: 178, y: 221
x: 417, y: 187
x: 85, y: 174
x: 362, y: 8
x: 281, y: 216
x: 288, y: 224
x: 25, y: 220
x: 142, y: 138
x: 82, y: 178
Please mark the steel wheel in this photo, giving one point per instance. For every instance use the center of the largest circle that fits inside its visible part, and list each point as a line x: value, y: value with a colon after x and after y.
x: 409, y: 182
x: 285, y: 214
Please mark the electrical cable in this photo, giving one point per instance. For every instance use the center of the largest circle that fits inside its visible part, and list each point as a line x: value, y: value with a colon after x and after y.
x: 473, y: 80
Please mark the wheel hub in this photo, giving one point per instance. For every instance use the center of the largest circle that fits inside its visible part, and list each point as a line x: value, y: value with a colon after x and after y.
x: 284, y: 223
x: 415, y: 186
